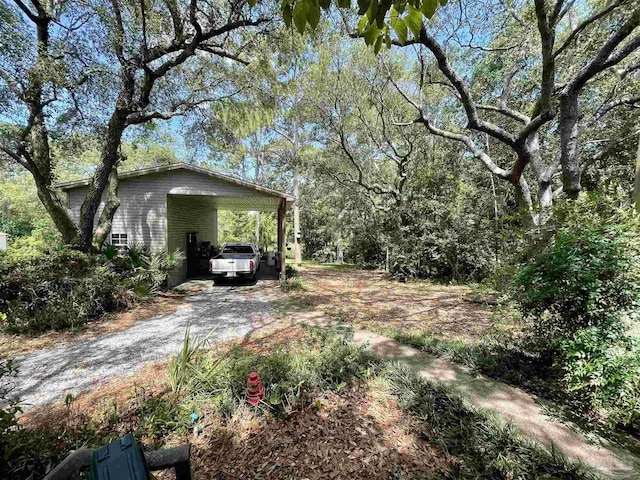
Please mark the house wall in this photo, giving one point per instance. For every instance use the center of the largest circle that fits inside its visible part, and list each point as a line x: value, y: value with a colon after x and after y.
x: 143, y: 203
x: 158, y: 209
x: 188, y: 214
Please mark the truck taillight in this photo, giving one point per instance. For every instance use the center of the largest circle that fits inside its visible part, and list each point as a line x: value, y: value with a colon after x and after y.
x: 251, y: 264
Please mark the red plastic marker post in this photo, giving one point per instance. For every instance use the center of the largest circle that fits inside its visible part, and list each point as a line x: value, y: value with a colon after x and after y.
x: 255, y: 390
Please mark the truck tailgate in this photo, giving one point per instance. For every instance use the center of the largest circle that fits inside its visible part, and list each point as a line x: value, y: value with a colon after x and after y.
x: 234, y: 264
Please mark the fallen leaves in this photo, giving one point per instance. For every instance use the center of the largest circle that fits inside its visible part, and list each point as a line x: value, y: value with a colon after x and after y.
x: 372, y: 301
x: 356, y: 433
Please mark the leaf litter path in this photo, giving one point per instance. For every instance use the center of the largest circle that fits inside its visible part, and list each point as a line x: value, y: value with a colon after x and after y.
x: 525, y: 411
x: 51, y: 374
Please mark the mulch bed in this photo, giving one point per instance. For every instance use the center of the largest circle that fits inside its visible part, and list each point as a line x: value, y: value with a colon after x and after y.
x: 357, y: 433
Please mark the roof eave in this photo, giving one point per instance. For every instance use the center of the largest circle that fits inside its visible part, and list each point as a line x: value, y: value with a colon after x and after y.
x: 178, y: 166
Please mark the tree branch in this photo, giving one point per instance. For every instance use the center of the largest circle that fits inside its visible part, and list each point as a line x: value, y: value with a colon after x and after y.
x: 474, y: 122
x: 584, y: 24
x: 222, y: 53
x: 606, y: 57
x: 32, y: 16
x: 471, y: 146
x: 514, y: 114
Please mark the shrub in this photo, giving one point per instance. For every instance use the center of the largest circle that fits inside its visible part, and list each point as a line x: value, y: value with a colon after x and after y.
x: 285, y: 375
x: 588, y: 274
x: 66, y: 288
x: 603, y: 368
x: 146, y: 271
x: 292, y: 285
x: 324, y: 255
x: 61, y: 290
x: 15, y: 228
x: 291, y: 271
x: 9, y: 409
x: 34, y: 243
x: 181, y: 365
x: 582, y: 293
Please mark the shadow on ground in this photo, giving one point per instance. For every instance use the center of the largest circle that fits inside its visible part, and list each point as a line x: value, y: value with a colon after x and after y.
x: 47, y: 375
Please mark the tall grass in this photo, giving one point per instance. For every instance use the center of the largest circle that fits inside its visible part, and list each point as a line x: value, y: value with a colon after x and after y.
x: 220, y: 382
x: 181, y: 365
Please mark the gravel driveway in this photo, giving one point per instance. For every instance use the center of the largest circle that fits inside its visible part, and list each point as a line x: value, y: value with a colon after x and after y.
x: 47, y: 375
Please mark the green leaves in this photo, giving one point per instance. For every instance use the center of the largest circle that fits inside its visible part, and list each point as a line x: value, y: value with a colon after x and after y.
x: 379, y: 18
x: 313, y: 14
x: 303, y: 12
x: 287, y: 14
x: 363, y: 6
x: 429, y: 7
x: 399, y: 26
x: 362, y: 24
x: 378, y: 44
x: 371, y: 34
x: 300, y: 13
x: 414, y: 20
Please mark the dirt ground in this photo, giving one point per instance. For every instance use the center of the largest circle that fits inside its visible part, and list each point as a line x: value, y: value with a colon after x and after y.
x: 371, y: 300
x: 359, y: 432
x: 367, y: 299
x: 355, y: 433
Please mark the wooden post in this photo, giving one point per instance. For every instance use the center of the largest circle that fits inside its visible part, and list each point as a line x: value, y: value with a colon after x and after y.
x: 386, y: 259
x: 282, y: 238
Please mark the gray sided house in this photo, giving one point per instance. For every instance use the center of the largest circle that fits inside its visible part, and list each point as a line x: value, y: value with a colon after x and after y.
x: 160, y: 206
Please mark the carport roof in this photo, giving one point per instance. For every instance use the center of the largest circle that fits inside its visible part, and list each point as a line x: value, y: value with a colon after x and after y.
x: 265, y: 198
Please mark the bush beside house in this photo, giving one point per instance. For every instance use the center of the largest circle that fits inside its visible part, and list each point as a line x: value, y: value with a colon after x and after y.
x: 66, y: 288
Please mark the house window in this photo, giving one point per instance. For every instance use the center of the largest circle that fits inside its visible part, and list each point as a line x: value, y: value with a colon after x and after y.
x: 119, y: 240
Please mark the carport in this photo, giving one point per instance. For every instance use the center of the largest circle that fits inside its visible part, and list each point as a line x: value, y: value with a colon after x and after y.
x: 198, y: 214
x: 161, y: 206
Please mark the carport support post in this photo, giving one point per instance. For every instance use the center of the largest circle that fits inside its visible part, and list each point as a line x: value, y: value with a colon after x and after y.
x: 282, y: 235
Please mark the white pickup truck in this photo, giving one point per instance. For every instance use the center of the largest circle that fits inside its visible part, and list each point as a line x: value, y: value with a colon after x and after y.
x: 236, y: 260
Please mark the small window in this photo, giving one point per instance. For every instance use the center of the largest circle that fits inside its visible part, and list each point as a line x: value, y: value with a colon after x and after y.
x: 119, y: 240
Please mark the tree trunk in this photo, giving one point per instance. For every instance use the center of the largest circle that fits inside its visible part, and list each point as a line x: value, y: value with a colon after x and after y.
x: 108, y: 159
x: 43, y: 177
x: 636, y: 188
x: 296, y: 193
x: 524, y: 202
x: 106, y: 217
x: 257, y: 179
x: 59, y: 214
x: 296, y: 219
x: 496, y: 219
x: 339, y: 251
x: 569, y: 144
x: 386, y: 259
x: 545, y: 200
x: 258, y: 228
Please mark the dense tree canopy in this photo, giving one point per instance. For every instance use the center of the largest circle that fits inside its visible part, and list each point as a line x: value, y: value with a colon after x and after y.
x: 440, y: 149
x: 104, y: 67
